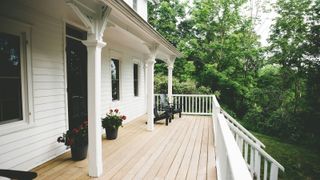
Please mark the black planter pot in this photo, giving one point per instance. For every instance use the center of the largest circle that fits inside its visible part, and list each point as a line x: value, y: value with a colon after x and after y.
x: 112, y: 133
x: 79, y: 153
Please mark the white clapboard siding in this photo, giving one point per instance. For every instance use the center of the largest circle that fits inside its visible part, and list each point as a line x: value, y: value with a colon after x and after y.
x: 48, y: 92
x: 27, y: 148
x: 48, y: 78
x: 47, y: 63
x: 48, y: 99
x: 128, y: 105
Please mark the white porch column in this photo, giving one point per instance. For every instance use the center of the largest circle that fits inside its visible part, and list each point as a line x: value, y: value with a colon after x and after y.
x: 96, y: 22
x: 150, y: 85
x: 94, y: 113
x: 150, y: 94
x: 170, y: 69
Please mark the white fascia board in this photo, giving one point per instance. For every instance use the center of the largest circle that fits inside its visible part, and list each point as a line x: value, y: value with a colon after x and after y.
x: 154, y: 1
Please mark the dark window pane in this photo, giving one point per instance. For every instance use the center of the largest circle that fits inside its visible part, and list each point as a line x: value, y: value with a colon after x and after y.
x: 135, y: 79
x: 115, y: 79
x: 75, y: 32
x: 9, y: 55
x: 10, y: 78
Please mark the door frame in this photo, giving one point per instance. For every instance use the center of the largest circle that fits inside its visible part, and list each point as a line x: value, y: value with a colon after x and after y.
x: 65, y: 68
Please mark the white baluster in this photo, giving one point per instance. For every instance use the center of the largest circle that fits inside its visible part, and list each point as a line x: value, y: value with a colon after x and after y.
x: 196, y: 104
x: 246, y: 149
x: 189, y: 102
x: 203, y: 111
x: 257, y: 163
x: 241, y: 144
x: 265, y: 172
x: 211, y: 102
x: 251, y: 160
x: 206, y: 109
x: 274, y: 172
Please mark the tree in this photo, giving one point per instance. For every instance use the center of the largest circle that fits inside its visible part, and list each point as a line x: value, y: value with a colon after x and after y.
x: 225, y: 50
x: 166, y: 17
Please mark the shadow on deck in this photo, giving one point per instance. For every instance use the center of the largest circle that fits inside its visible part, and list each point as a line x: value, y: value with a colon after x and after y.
x: 182, y: 150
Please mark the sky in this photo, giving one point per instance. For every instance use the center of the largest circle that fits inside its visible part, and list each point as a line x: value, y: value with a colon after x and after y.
x: 263, y: 26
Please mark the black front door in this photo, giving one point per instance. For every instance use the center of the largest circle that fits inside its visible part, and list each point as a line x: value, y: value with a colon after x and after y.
x: 76, y: 76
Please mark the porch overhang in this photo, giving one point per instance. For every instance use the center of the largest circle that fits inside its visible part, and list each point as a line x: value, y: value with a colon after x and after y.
x: 125, y: 17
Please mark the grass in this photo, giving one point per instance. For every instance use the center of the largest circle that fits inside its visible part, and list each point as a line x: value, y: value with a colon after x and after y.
x: 300, y: 163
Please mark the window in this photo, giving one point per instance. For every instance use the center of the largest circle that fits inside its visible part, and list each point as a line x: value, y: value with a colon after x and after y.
x: 135, y: 79
x: 10, y: 78
x: 16, y: 110
x: 115, y: 79
x: 134, y: 5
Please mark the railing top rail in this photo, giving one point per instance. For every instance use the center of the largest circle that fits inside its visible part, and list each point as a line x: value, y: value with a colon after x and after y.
x: 193, y: 95
x: 242, y: 128
x: 253, y: 144
x: 215, y: 102
x: 236, y: 162
x: 189, y: 95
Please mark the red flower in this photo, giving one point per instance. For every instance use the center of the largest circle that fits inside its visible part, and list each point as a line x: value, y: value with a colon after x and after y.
x: 123, y: 117
x: 70, y: 142
x: 116, y: 110
x: 75, y: 130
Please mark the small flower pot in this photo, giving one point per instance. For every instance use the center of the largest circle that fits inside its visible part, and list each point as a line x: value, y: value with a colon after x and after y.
x: 111, y: 133
x: 79, y: 153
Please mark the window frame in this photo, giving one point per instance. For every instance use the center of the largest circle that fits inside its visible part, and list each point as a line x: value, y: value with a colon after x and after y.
x: 134, y: 81
x: 135, y: 5
x: 22, y: 30
x: 118, y: 79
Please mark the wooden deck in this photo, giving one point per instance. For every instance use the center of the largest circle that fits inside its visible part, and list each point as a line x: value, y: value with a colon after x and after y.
x: 182, y: 150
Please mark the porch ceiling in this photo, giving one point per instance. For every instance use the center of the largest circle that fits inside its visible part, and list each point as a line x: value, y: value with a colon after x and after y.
x: 182, y: 150
x: 126, y: 27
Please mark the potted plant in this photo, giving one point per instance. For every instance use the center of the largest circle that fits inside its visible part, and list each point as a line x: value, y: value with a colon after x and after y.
x: 112, y: 122
x: 77, y: 139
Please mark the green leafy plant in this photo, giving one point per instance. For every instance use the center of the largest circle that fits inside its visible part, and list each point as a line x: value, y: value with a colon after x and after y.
x: 76, y: 136
x: 113, y: 119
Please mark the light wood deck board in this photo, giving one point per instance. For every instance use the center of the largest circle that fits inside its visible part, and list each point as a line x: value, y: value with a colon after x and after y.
x: 182, y: 150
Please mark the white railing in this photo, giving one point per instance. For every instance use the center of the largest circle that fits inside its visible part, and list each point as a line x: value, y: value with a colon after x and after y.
x: 190, y: 104
x: 239, y: 154
x: 241, y: 128
x: 254, y: 155
x: 260, y: 164
x: 229, y: 161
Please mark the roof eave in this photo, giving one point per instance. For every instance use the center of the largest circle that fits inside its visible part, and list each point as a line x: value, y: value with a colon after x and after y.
x: 138, y: 20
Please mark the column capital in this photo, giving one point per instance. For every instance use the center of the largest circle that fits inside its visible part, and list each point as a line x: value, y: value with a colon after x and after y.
x: 173, y: 58
x: 94, y: 43
x: 151, y: 58
x: 153, y: 48
x: 151, y: 61
x: 170, y: 67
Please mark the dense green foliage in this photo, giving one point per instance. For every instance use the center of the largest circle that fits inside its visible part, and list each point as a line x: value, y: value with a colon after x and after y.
x: 275, y: 89
x: 300, y: 162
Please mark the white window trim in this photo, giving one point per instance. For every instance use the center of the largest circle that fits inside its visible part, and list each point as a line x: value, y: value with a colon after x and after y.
x: 114, y: 54
x: 135, y: 7
x: 23, y: 30
x: 138, y: 62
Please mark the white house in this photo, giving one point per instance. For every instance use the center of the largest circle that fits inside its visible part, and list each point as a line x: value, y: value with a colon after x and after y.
x: 64, y: 60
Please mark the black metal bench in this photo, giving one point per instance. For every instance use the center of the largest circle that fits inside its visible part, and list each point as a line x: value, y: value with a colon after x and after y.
x: 19, y: 175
